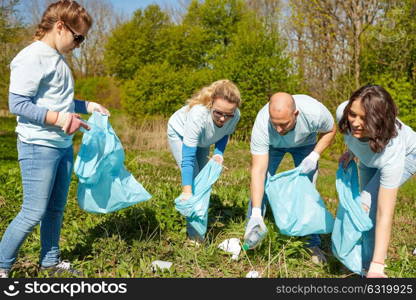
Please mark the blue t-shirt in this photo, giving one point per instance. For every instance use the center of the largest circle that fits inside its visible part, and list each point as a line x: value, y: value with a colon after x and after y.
x: 313, y: 117
x: 391, y: 160
x: 41, y: 73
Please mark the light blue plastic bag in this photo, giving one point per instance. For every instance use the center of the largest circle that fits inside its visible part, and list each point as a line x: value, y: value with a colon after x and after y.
x: 104, y: 183
x: 297, y: 207
x: 351, y: 221
x: 195, y: 209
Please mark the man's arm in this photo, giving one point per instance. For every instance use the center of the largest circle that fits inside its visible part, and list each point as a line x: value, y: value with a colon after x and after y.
x: 325, y: 140
x: 259, y: 166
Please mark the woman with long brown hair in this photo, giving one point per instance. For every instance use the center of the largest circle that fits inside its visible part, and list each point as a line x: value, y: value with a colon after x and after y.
x: 386, y: 149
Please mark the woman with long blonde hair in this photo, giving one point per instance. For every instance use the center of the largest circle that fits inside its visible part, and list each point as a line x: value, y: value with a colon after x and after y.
x: 208, y: 118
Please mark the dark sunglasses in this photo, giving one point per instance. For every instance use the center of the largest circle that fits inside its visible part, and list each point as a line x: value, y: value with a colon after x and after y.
x: 78, y: 38
x: 219, y: 114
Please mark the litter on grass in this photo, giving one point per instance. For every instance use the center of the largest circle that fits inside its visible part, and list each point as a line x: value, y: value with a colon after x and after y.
x: 160, y: 264
x: 232, y: 246
x: 253, y: 274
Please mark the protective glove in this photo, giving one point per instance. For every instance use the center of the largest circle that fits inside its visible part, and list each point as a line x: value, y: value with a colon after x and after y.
x: 70, y: 122
x: 185, y: 196
x: 255, y: 219
x: 309, y: 163
x: 376, y: 270
x: 93, y: 106
x: 218, y: 158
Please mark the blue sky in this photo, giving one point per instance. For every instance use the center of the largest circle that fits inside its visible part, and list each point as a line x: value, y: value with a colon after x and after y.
x: 129, y: 6
x: 126, y: 7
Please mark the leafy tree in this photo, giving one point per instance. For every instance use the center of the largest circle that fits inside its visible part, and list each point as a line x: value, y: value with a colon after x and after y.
x: 390, y: 55
x: 256, y: 62
x: 159, y: 89
x: 138, y: 42
x: 218, y: 39
x: 11, y: 37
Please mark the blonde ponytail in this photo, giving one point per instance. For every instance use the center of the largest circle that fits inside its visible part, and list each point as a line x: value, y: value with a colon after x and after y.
x: 224, y: 89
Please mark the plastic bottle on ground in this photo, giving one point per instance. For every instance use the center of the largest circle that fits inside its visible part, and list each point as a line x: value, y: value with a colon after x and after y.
x: 254, y: 238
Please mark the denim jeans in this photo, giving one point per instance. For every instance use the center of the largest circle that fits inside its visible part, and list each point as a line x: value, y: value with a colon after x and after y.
x: 369, y: 186
x: 175, y: 145
x: 201, y: 160
x: 46, y: 175
x: 275, y: 157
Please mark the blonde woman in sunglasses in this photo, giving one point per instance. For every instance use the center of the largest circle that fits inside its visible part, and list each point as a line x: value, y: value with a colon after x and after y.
x: 208, y: 118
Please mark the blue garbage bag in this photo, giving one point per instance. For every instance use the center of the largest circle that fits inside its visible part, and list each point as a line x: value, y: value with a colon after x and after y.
x: 297, y: 207
x: 351, y: 222
x: 104, y: 183
x: 195, y: 209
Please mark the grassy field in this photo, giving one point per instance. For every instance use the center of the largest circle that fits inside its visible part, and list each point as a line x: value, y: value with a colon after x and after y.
x: 123, y: 244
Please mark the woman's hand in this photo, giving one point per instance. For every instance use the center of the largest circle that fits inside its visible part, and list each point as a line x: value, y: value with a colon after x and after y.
x: 218, y: 158
x: 186, y: 192
x: 93, y: 106
x: 69, y: 122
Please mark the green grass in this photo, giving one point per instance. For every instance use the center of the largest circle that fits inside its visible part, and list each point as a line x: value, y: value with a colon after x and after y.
x: 123, y: 244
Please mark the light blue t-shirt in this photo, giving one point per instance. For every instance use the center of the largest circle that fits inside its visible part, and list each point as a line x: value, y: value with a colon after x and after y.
x: 41, y: 72
x: 313, y: 117
x: 196, y: 128
x: 391, y: 160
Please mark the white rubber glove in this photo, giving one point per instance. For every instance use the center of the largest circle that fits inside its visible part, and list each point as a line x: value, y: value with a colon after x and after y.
x: 376, y: 270
x: 255, y: 219
x: 218, y: 158
x: 185, y: 196
x: 93, y: 106
x: 70, y: 122
x: 309, y: 163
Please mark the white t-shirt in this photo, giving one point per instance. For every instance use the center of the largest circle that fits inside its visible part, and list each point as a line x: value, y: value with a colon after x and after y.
x: 313, y: 117
x: 41, y: 72
x: 196, y: 127
x: 391, y: 160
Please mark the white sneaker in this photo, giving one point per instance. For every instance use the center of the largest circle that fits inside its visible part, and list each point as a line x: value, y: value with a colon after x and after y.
x: 4, y: 273
x: 317, y: 256
x: 64, y: 267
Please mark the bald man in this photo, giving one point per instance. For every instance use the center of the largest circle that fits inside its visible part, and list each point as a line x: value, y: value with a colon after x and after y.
x: 287, y: 124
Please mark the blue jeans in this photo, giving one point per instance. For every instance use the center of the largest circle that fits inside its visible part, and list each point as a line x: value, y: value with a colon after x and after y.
x: 46, y: 175
x: 175, y: 145
x: 369, y: 186
x: 275, y: 157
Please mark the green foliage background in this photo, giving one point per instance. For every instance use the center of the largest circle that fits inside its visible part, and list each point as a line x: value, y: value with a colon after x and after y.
x: 161, y: 64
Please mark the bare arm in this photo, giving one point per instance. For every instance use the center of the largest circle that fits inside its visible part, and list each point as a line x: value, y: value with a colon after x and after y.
x: 384, y: 220
x: 259, y: 166
x: 325, y: 140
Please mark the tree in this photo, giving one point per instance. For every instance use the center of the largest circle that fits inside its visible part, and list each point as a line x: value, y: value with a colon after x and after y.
x: 11, y: 40
x: 389, y: 56
x: 257, y: 63
x: 326, y: 39
x: 218, y: 19
x: 138, y: 42
x: 360, y: 14
x: 217, y: 39
x: 88, y: 61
